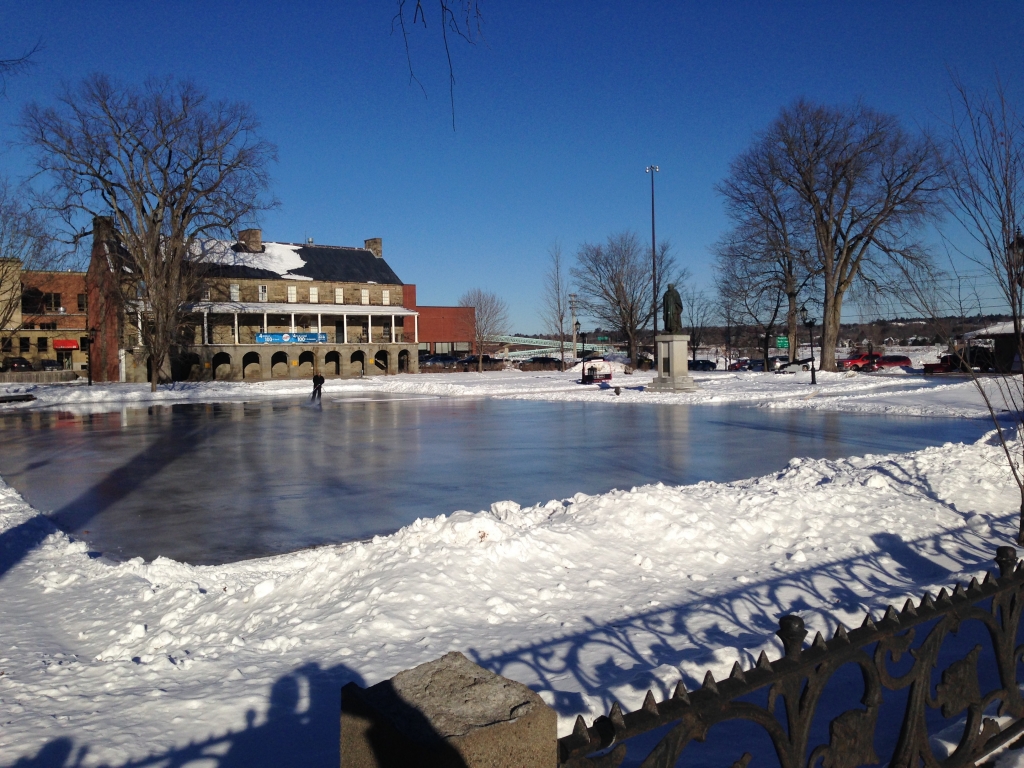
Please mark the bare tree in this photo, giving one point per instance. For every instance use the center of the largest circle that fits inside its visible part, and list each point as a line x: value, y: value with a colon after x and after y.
x: 698, y: 314
x: 755, y: 296
x: 170, y: 167
x: 985, y: 171
x: 17, y: 65
x: 860, y: 185
x: 461, y: 18
x: 25, y: 244
x: 615, y: 281
x: 555, y: 297
x: 491, y: 319
x: 769, y: 234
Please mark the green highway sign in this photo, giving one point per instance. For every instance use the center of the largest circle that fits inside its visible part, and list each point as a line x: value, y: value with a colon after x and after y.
x: 604, y: 338
x: 782, y: 342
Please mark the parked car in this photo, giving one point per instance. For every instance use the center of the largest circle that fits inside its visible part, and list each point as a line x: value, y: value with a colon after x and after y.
x: 796, y: 365
x: 472, y: 360
x: 50, y: 365
x: 889, y: 361
x: 739, y: 365
x: 701, y: 365
x: 440, y: 361
x: 15, y: 364
x: 856, y: 362
x: 975, y: 358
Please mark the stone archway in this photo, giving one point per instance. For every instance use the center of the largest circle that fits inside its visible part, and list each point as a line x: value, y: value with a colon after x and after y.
x: 380, y: 360
x: 307, y: 364
x: 279, y: 365
x: 403, y: 361
x: 221, y: 366
x: 251, y: 366
x: 357, y: 363
x: 332, y: 364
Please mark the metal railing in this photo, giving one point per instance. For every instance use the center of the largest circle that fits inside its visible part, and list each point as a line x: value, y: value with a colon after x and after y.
x: 897, y: 658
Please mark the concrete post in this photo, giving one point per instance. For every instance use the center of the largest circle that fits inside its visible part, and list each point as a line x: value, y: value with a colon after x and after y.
x: 447, y: 713
x: 673, y: 370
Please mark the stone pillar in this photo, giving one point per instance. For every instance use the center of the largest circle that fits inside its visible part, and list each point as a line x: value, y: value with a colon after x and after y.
x: 673, y: 371
x: 447, y: 713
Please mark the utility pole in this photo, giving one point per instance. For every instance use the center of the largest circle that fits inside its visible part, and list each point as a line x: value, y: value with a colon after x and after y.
x: 653, y: 169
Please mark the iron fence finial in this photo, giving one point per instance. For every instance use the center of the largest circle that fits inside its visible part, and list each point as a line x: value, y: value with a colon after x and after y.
x: 792, y: 633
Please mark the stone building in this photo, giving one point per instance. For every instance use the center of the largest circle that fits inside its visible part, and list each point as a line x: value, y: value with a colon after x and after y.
x: 269, y: 310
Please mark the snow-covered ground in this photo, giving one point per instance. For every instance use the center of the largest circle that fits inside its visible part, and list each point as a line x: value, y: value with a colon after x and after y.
x: 586, y: 599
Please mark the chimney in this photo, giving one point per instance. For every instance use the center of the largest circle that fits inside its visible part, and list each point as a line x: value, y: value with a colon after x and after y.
x: 251, y: 240
x: 375, y: 246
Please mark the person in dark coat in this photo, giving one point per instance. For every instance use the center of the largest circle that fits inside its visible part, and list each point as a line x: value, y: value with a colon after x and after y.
x: 318, y: 383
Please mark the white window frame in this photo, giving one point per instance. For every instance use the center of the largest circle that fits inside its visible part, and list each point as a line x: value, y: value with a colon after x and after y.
x: 314, y: 295
x: 339, y: 295
x: 263, y: 293
x: 235, y: 292
x: 385, y: 297
x: 293, y: 294
x: 206, y: 293
x: 364, y: 295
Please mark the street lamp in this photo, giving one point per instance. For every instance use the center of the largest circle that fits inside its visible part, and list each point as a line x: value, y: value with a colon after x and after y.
x: 653, y: 169
x: 575, y: 322
x: 809, y: 325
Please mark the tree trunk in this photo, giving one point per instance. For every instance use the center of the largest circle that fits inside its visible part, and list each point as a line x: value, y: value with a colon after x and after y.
x: 792, y: 330
x: 1020, y: 530
x: 830, y: 330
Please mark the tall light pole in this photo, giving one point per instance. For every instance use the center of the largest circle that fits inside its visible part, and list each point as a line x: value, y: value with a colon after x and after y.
x: 653, y: 169
x: 809, y: 325
x: 575, y: 325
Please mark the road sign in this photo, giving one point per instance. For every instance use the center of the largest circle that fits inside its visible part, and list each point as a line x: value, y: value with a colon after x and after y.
x: 782, y: 342
x: 604, y: 338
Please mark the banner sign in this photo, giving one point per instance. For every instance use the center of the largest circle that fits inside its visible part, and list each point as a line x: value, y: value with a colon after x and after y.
x: 782, y: 342
x: 291, y: 338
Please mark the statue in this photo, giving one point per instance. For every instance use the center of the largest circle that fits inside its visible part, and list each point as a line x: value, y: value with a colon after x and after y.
x: 672, y: 310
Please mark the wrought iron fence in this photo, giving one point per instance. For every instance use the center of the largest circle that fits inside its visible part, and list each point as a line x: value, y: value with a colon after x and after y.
x: 897, y: 658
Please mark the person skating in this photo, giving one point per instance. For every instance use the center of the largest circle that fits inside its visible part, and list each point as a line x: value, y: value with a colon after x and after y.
x: 318, y: 383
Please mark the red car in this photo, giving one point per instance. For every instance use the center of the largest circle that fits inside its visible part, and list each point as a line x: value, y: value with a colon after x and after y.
x: 856, y: 362
x: 889, y: 361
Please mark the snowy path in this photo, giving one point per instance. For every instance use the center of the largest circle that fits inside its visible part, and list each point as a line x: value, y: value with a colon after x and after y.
x: 587, y: 599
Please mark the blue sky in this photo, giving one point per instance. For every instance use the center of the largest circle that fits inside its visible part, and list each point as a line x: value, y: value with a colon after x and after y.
x: 558, y: 109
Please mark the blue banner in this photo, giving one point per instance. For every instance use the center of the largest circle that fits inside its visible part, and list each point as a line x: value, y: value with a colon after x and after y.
x: 291, y: 338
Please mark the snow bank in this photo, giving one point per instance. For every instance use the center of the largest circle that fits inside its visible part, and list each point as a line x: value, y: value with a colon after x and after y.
x: 588, y: 600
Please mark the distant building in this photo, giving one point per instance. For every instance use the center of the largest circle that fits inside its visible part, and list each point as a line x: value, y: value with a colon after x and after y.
x: 278, y: 310
x: 266, y: 310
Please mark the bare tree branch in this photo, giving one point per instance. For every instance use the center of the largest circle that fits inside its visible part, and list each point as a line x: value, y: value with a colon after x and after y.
x: 491, y: 319
x: 555, y: 297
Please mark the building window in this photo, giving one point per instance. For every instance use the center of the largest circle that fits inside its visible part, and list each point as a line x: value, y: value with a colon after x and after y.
x: 83, y: 343
x: 234, y: 292
x: 83, y: 302
x: 206, y: 293
x: 385, y: 297
x: 47, y: 326
x: 292, y: 294
x: 51, y: 302
x: 24, y: 345
x: 5, y: 346
x: 314, y: 295
x: 42, y: 343
x: 263, y: 293
x: 364, y: 296
x: 339, y: 295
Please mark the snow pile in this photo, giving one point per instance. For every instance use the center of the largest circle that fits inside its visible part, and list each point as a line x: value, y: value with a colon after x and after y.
x: 588, y: 599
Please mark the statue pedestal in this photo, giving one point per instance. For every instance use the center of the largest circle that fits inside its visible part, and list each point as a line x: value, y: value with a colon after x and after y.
x: 673, y: 372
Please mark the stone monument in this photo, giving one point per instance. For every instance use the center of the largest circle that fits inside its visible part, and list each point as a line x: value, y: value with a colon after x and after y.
x: 673, y: 371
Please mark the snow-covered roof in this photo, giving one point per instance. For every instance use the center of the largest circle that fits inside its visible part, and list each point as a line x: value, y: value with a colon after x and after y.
x: 277, y: 308
x: 295, y: 261
x: 999, y: 329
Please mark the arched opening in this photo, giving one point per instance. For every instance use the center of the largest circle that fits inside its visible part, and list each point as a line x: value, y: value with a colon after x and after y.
x: 221, y: 366
x: 381, y: 360
x: 403, y: 361
x: 357, y: 364
x: 332, y: 364
x: 279, y: 365
x: 251, y: 368
x: 307, y: 362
